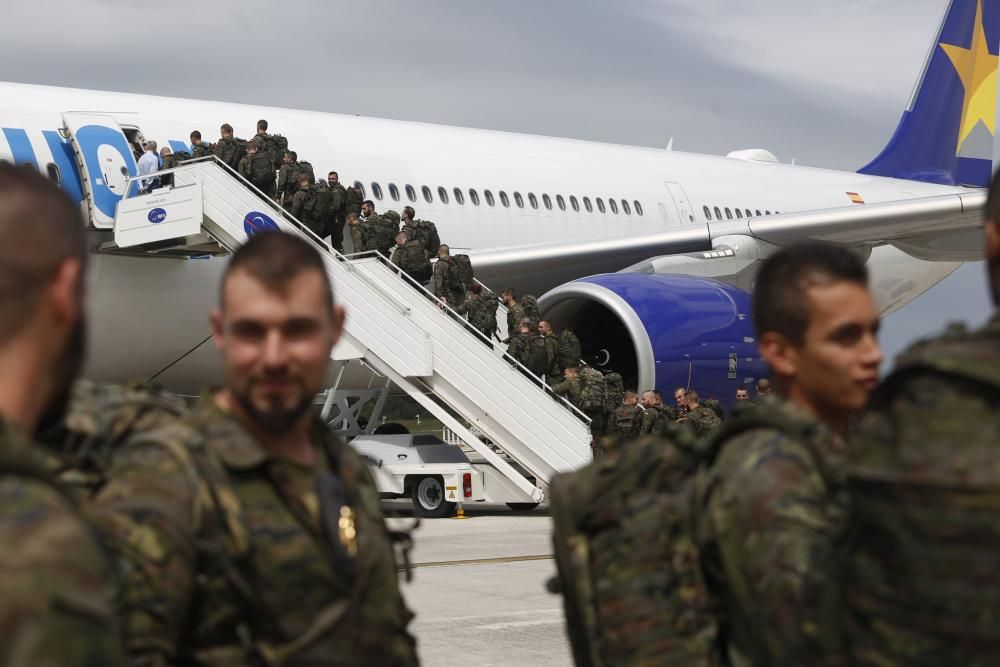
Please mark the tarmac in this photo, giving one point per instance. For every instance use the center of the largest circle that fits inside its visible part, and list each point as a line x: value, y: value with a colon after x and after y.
x: 478, y: 590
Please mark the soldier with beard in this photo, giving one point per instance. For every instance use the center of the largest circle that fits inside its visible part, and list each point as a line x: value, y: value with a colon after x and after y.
x: 55, y: 608
x: 249, y: 532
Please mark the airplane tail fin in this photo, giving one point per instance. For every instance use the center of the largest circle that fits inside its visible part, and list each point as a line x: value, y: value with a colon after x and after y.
x: 948, y: 130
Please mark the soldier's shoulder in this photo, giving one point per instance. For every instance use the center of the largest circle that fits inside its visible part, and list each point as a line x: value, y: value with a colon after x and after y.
x: 763, y: 447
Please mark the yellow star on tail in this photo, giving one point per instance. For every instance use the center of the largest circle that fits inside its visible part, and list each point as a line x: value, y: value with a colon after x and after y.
x: 977, y: 68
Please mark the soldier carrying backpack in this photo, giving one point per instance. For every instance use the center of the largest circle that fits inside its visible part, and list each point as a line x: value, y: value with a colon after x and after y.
x: 529, y: 304
x: 411, y: 257
x: 230, y: 149
x: 273, y: 145
x: 481, y: 307
x: 304, y: 206
x: 448, y: 285
x: 256, y: 167
x: 593, y: 401
x: 200, y: 148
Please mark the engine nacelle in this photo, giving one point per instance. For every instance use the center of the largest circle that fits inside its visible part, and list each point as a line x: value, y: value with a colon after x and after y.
x: 662, y: 331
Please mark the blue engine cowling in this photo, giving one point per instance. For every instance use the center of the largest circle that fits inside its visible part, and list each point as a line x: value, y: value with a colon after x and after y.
x: 662, y: 331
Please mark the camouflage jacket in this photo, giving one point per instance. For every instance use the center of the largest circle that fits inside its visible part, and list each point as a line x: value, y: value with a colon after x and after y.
x: 224, y: 541
x: 552, y: 357
x: 702, y: 420
x: 568, y: 388
x: 287, y: 178
x: 626, y: 422
x: 442, y: 286
x: 481, y: 311
x: 654, y: 420
x: 773, y: 527
x: 514, y: 316
x: 55, y: 610
x: 925, y: 496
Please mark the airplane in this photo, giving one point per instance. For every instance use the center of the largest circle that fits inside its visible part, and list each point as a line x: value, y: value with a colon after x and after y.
x: 648, y: 254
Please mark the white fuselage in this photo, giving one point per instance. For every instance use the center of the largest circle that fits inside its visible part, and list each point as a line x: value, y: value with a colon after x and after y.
x: 160, y: 306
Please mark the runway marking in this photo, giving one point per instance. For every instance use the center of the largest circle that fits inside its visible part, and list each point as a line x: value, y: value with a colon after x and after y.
x: 519, y: 624
x: 483, y: 561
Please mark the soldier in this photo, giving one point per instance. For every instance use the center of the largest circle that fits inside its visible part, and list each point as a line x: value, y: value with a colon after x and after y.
x: 256, y: 167
x: 288, y: 176
x: 409, y: 227
x: 272, y: 145
x: 774, y: 514
x: 925, y: 490
x: 593, y: 403
x: 353, y: 203
x: 199, y: 148
x: 228, y: 148
x: 411, y: 257
x: 359, y: 233
x: 448, y: 286
x: 304, y: 206
x: 698, y: 416
x: 569, y: 388
x: 569, y: 348
x: 338, y: 213
x: 481, y: 309
x: 742, y: 395
x: 554, y: 372
x: 763, y: 388
x: 654, y: 413
x: 528, y: 348
x: 515, y: 313
x: 251, y: 533
x: 55, y: 608
x: 167, y: 161
x: 679, y: 400
x: 626, y: 421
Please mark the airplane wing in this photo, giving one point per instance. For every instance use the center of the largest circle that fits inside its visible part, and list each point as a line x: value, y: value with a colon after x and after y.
x: 939, y: 228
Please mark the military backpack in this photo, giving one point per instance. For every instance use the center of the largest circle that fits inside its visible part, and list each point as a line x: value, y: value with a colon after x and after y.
x: 452, y: 274
x: 428, y: 233
x: 464, y: 266
x: 175, y: 158
x: 414, y: 260
x: 614, y: 391
x: 592, y: 395
x: 323, y: 207
x: 231, y: 151
x: 384, y: 231
x: 275, y: 146
x: 624, y: 421
x: 484, y: 317
x: 569, y: 349
x: 924, y: 486
x: 303, y: 167
x: 204, y: 149
x: 628, y: 561
x: 535, y: 358
x: 529, y: 305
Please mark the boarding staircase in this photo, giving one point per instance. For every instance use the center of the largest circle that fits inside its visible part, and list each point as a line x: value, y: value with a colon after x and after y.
x: 394, y: 325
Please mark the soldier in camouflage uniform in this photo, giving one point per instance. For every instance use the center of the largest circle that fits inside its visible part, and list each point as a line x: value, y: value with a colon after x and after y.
x: 256, y: 167
x: 355, y: 198
x: 303, y: 206
x: 288, y: 176
x: 773, y: 523
x: 701, y: 419
x: 655, y: 415
x: 338, y: 211
x: 55, y: 610
x: 553, y: 373
x: 481, y: 309
x: 626, y: 420
x: 199, y: 148
x: 251, y: 533
x: 569, y: 388
x: 925, y: 495
x: 360, y: 233
x: 514, y: 313
x: 448, y: 287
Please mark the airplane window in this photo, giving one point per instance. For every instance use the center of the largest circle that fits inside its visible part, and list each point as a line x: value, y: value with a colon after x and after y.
x: 777, y: 212
x: 489, y: 197
x: 533, y: 200
x: 767, y: 213
x: 587, y: 205
x: 519, y: 200
x: 394, y: 192
x: 474, y: 196
x: 707, y: 212
x: 600, y: 204
x: 53, y: 172
x: 739, y: 214
x: 729, y: 214
x: 504, y: 199
x: 411, y: 194
x: 613, y: 205
x: 561, y: 202
x: 362, y: 186
x: 625, y: 207
x: 574, y: 203
x: 718, y: 213
x: 443, y: 195
x: 638, y: 207
x: 428, y: 196
x: 547, y: 201
x: 459, y: 197
x: 747, y: 211
x: 757, y: 211
x: 377, y: 191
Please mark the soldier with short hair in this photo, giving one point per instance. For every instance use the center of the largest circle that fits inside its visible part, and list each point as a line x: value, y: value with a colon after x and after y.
x: 228, y: 148
x: 199, y: 148
x: 338, y: 211
x: 626, y: 420
x: 448, y: 285
x: 359, y: 233
x: 288, y: 177
x: 569, y: 388
x: 774, y: 517
x: 250, y: 533
x: 480, y: 306
x: 925, y: 494
x: 553, y: 372
x: 57, y: 583
x: 697, y: 416
x: 411, y: 257
x: 515, y: 313
x: 763, y: 388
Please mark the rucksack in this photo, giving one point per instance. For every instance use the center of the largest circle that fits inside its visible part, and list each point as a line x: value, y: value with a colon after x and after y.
x: 303, y: 167
x: 428, y: 233
x: 385, y: 232
x: 453, y: 275
x: 261, y: 168
x: 529, y: 305
x: 485, y: 315
x: 309, y: 203
x: 623, y: 421
x: 628, y: 561
x: 275, y: 147
x: 924, y: 492
x: 203, y: 149
x: 324, y: 201
x: 464, y: 266
x: 569, y: 349
x: 592, y: 395
x: 231, y: 151
x: 393, y: 217
x: 415, y: 261
x: 535, y: 357
x: 175, y: 158
x: 614, y: 391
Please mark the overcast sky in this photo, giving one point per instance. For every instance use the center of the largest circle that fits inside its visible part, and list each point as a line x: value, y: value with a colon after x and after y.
x: 823, y: 83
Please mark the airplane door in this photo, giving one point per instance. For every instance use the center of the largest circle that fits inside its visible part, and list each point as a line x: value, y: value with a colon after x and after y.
x: 681, y: 203
x: 106, y: 163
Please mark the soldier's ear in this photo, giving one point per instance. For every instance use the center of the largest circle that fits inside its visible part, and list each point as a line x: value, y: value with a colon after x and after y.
x: 216, y: 320
x: 779, y: 353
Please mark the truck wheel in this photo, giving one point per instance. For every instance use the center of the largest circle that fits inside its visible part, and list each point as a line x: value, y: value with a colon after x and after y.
x: 522, y: 507
x: 428, y: 498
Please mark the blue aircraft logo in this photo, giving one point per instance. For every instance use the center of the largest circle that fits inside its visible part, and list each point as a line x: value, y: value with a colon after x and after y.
x: 257, y: 222
x: 157, y: 215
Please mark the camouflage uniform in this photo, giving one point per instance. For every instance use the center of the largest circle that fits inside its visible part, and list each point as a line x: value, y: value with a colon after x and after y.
x: 360, y: 233
x: 626, y: 422
x: 568, y: 388
x: 253, y: 168
x: 443, y: 286
x: 55, y: 610
x: 481, y: 311
x: 235, y: 554
x: 925, y: 496
x: 653, y: 418
x: 288, y: 182
x: 338, y: 209
x: 201, y: 149
x: 702, y: 420
x: 773, y: 529
x: 553, y: 373
x: 514, y: 316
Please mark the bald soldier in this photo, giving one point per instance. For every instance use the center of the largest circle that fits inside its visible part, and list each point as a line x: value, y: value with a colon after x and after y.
x: 55, y: 607
x: 251, y: 533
